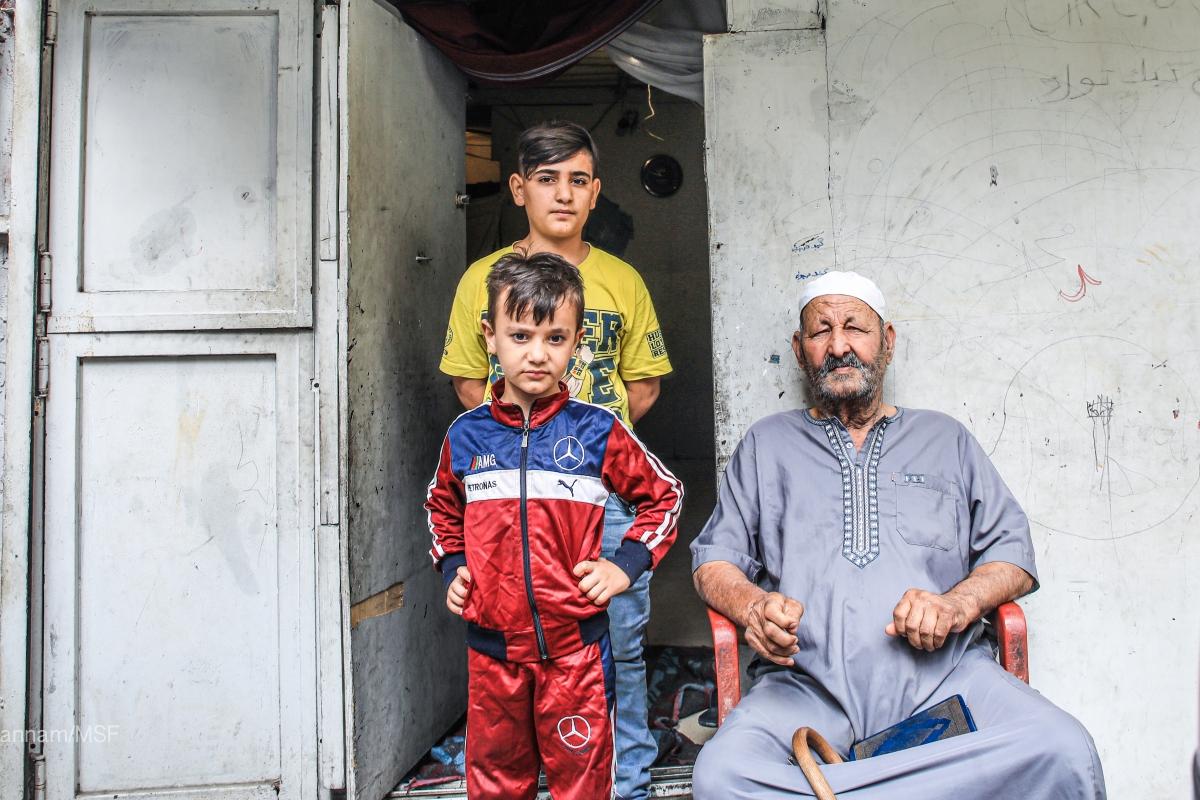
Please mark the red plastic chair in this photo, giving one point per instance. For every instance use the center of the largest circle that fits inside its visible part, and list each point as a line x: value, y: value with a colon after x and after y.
x: 1008, y: 619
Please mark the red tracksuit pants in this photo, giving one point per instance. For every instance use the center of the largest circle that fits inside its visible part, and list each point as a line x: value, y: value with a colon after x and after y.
x: 556, y: 712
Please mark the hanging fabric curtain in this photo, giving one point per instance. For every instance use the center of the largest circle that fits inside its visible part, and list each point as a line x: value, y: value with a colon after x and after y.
x: 666, y: 47
x: 507, y: 42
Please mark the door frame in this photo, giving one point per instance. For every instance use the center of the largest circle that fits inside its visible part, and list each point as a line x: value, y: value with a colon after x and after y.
x: 18, y: 392
x: 335, y: 748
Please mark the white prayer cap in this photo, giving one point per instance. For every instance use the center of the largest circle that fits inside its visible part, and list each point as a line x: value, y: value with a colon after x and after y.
x: 848, y: 283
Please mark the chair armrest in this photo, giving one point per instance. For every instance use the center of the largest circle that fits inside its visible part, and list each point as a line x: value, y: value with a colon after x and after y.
x: 1012, y: 635
x: 725, y: 663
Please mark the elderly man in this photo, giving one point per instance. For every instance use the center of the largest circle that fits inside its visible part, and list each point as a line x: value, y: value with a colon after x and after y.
x: 860, y: 544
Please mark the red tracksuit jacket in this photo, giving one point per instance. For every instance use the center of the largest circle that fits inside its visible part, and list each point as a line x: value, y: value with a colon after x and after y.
x: 521, y: 505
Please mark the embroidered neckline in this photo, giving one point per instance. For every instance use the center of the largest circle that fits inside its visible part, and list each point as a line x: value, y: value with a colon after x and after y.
x: 860, y: 490
x: 822, y: 421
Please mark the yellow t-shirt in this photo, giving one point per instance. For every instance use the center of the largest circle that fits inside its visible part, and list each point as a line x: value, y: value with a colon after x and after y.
x: 622, y: 340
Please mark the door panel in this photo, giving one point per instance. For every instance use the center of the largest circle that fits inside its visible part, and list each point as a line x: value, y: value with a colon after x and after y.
x: 161, y: 217
x: 182, y: 165
x: 179, y: 559
x: 406, y: 131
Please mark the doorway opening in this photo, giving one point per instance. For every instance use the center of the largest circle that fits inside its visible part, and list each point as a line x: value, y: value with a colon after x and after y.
x: 653, y: 213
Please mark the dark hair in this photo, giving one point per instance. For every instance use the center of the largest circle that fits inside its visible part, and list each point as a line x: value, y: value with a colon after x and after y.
x: 553, y: 142
x: 536, y: 284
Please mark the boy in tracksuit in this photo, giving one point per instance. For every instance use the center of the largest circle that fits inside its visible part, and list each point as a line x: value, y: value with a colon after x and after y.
x: 620, y: 365
x: 516, y: 510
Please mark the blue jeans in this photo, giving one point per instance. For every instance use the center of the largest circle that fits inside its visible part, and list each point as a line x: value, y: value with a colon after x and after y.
x: 628, y: 614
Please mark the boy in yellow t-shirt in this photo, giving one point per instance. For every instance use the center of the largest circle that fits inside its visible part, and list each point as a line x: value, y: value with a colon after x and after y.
x: 618, y: 365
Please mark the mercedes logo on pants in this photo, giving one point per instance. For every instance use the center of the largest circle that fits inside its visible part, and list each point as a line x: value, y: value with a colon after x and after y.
x: 575, y: 732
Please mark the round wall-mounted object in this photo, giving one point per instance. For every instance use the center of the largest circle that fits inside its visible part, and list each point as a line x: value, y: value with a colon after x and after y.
x: 661, y: 175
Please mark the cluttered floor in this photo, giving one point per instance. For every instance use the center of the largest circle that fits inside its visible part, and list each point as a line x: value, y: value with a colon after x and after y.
x: 681, y: 696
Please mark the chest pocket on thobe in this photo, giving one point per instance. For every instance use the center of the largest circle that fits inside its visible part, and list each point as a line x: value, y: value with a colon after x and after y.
x: 926, y: 509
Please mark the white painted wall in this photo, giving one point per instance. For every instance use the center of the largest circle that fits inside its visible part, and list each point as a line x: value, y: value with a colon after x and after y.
x: 979, y: 183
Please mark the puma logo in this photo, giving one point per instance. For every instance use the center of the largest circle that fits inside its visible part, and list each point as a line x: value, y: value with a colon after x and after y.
x: 569, y: 487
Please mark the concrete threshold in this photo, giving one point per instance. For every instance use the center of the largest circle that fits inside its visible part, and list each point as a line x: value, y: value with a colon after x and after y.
x: 665, y: 782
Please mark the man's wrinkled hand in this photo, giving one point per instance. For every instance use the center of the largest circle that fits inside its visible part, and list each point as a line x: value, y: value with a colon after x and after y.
x: 772, y: 621
x: 458, y: 591
x: 926, y: 619
x: 601, y: 580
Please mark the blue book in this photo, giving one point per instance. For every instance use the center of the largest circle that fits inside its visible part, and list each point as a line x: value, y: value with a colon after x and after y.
x: 951, y: 717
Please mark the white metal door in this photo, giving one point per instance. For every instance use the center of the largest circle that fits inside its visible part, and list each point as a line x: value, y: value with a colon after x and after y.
x: 405, y: 141
x: 180, y: 603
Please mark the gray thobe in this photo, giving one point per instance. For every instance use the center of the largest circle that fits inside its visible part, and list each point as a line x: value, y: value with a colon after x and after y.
x: 847, y: 532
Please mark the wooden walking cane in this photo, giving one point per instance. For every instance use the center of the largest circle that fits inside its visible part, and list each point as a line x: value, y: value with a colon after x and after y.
x: 804, y: 739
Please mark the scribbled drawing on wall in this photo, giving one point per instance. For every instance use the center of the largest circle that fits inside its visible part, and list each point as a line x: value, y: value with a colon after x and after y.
x: 803, y: 276
x: 1111, y: 460
x: 1100, y: 412
x: 1085, y: 280
x: 814, y: 242
x: 1064, y: 87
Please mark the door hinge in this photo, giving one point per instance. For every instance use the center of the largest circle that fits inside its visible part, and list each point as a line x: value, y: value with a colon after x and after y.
x: 37, y: 762
x: 45, y: 270
x: 50, y: 30
x: 40, y: 325
x: 43, y: 367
